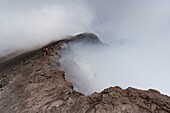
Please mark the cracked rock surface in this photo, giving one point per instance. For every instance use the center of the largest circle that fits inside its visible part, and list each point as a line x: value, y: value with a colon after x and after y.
x: 34, y: 83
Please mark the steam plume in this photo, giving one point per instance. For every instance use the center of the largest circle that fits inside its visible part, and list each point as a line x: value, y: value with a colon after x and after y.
x: 137, y: 32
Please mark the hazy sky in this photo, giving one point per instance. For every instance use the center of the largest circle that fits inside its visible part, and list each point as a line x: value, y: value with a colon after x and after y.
x: 25, y: 23
x: 40, y: 20
x: 137, y: 30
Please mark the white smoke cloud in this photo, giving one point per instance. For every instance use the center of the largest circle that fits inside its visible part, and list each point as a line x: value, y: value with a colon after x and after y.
x: 137, y: 32
x: 124, y: 63
x: 24, y: 24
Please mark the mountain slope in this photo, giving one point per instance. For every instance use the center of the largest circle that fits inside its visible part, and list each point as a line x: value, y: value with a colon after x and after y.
x: 34, y: 83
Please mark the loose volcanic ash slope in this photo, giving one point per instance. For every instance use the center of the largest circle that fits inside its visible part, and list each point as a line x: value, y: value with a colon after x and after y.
x: 34, y: 83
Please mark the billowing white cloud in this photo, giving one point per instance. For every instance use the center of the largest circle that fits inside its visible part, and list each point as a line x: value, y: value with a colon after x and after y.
x: 92, y: 68
x: 137, y: 31
x: 24, y: 24
x: 138, y: 56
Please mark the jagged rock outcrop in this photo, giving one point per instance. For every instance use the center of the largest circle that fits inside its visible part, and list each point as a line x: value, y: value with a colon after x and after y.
x: 34, y: 83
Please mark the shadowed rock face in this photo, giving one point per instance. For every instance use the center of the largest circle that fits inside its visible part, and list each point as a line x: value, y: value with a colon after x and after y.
x: 86, y: 38
x: 34, y: 83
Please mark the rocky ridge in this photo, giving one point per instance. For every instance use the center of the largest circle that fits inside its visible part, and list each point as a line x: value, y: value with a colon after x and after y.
x: 34, y: 83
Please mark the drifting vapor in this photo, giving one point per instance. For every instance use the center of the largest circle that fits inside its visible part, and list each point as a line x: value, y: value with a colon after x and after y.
x: 92, y: 68
x: 25, y: 24
x: 138, y: 52
x: 136, y: 32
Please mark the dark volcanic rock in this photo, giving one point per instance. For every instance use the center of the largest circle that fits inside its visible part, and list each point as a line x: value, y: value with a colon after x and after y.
x: 34, y: 83
x: 87, y: 38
